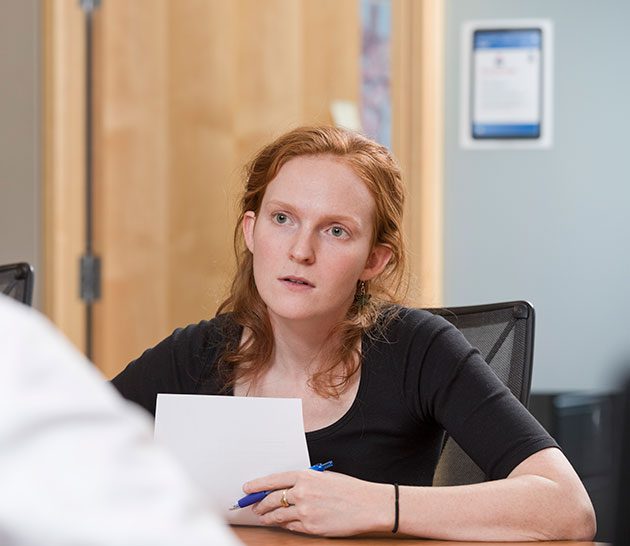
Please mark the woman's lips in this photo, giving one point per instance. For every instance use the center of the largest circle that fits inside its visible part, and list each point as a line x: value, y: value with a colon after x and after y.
x: 298, y: 282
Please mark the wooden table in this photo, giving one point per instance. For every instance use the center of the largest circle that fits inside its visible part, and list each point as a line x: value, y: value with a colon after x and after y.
x: 262, y: 536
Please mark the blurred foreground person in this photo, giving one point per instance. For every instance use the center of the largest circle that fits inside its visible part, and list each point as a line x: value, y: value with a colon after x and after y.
x: 77, y: 463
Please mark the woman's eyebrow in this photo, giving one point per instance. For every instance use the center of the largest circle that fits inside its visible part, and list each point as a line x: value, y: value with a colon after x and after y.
x: 279, y: 204
x: 342, y: 219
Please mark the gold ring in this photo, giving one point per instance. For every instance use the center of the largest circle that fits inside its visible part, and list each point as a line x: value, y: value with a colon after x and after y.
x: 283, y: 501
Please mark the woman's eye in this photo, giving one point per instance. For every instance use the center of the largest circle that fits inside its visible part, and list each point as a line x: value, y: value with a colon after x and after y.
x: 280, y: 218
x: 338, y: 232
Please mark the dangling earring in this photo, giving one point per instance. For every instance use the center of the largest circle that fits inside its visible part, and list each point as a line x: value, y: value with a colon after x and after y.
x: 362, y: 298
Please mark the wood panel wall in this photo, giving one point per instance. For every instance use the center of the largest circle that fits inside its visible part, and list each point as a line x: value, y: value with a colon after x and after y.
x: 186, y: 92
x: 418, y: 137
x: 64, y: 151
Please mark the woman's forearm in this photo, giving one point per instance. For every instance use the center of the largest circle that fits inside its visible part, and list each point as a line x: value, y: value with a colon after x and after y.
x: 542, y: 499
x: 520, y: 508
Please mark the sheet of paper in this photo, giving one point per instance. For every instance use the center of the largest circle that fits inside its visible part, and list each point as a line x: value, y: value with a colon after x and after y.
x: 224, y: 441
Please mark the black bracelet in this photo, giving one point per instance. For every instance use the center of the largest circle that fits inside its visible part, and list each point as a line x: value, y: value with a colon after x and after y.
x: 395, y: 529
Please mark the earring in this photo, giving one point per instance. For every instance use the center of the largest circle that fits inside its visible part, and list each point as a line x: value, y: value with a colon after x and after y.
x: 361, y: 297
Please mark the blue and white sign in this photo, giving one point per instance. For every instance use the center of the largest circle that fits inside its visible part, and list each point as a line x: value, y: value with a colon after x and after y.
x: 506, y: 84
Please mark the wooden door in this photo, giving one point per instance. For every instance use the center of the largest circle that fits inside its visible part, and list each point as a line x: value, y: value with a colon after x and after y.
x: 185, y: 92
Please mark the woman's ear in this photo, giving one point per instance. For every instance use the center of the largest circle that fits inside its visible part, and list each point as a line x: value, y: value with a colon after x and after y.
x: 377, y: 261
x: 249, y: 221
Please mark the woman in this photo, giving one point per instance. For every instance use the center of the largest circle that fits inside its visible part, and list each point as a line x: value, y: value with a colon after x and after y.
x: 313, y: 313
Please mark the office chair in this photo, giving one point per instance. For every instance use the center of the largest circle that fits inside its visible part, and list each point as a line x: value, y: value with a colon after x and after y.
x: 16, y: 281
x: 504, y: 334
x: 622, y: 477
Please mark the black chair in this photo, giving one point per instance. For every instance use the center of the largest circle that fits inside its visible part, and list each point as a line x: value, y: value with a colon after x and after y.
x: 622, y: 476
x: 16, y: 281
x: 504, y: 334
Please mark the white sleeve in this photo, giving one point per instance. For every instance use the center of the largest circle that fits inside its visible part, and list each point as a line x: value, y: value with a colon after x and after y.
x: 77, y: 463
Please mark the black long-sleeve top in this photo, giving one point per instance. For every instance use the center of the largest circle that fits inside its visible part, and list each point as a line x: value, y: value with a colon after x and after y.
x: 419, y: 378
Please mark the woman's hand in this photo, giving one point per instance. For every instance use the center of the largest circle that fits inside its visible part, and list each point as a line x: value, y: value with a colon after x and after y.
x: 323, y: 503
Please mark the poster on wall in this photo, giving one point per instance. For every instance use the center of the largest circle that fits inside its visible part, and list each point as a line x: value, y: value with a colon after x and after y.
x: 376, y: 104
x: 506, y: 84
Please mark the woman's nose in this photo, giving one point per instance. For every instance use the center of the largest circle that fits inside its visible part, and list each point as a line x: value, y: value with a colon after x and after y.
x: 302, y: 249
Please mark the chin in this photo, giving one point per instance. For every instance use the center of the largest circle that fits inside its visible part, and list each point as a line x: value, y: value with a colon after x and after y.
x: 292, y: 313
x: 303, y: 313
x: 300, y: 308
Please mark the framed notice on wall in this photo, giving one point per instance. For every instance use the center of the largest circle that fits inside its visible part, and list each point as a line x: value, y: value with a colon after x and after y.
x: 506, y: 84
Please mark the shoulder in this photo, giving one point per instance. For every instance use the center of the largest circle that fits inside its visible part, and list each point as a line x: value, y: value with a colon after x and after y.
x: 398, y: 322
x: 53, y: 361
x: 204, y: 335
x: 178, y: 364
x: 419, y: 335
x: 191, y: 343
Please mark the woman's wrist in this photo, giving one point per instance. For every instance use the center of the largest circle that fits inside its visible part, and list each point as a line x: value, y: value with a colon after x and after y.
x: 380, y: 514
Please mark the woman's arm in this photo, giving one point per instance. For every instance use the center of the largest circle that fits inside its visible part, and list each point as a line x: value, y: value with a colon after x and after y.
x: 541, y: 499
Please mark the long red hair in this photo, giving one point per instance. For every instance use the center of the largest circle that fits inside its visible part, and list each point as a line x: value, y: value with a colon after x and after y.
x: 375, y: 166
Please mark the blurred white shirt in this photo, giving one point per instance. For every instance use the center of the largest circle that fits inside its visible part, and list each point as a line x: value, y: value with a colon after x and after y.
x: 78, y: 465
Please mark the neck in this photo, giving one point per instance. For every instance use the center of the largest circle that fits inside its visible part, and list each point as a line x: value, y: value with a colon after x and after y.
x: 299, y: 345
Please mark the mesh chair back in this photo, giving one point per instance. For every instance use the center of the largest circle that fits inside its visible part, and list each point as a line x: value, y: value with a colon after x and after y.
x: 622, y: 477
x: 504, y: 334
x: 16, y: 281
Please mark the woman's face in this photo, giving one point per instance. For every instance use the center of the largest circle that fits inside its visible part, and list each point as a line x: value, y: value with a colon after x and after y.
x: 311, y: 240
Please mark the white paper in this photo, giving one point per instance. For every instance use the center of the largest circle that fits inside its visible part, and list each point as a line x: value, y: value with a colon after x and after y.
x: 224, y: 441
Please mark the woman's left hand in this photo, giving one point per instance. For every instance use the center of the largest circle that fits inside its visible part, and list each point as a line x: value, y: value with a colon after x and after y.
x: 323, y: 503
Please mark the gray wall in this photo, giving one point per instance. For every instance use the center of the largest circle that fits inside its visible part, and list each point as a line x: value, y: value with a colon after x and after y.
x: 552, y: 227
x: 20, y: 134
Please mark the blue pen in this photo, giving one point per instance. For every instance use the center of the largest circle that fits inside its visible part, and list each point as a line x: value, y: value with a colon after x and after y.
x: 253, y: 498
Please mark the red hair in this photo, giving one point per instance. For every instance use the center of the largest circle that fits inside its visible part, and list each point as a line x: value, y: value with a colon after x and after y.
x: 374, y: 165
